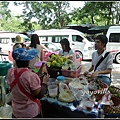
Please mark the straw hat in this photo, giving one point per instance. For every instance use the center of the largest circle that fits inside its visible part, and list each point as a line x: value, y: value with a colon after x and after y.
x: 19, y: 39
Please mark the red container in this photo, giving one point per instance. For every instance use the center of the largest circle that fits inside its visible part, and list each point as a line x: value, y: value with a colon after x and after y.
x: 71, y: 73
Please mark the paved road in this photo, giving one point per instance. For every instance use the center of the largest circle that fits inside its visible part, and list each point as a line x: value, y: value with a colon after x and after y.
x: 115, y: 72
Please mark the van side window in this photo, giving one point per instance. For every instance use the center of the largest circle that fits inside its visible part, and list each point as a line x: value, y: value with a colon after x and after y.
x: 56, y: 39
x: 43, y: 38
x: 4, y: 40
x: 77, y: 38
x: 114, y: 37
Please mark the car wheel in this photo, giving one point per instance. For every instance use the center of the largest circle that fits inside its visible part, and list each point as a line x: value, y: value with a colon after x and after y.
x: 80, y: 55
x: 117, y: 58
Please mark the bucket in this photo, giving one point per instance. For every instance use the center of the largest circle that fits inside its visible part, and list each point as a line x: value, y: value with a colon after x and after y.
x: 4, y: 66
x: 53, y: 90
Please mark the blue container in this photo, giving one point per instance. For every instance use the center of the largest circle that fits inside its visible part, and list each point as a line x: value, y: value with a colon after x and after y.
x: 4, y: 66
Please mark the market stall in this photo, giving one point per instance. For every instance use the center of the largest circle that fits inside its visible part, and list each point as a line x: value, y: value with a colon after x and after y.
x: 71, y: 102
x: 53, y: 107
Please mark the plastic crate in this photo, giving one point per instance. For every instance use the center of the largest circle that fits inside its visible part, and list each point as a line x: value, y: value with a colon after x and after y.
x: 4, y: 66
x: 71, y: 73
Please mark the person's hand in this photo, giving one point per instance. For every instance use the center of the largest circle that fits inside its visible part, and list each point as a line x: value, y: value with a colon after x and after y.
x: 94, y: 74
x: 46, y: 78
x: 86, y: 73
x: 70, y: 57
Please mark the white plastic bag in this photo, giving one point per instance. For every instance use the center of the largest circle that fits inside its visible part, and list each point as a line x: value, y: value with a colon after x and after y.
x: 8, y: 99
x: 65, y: 94
x: 6, y: 112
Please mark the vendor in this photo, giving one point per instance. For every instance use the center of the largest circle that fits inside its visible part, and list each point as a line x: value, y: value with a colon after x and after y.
x: 27, y: 90
x: 66, y: 50
x: 104, y: 69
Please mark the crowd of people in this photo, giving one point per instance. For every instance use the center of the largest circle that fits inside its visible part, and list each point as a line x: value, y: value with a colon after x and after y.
x: 26, y: 86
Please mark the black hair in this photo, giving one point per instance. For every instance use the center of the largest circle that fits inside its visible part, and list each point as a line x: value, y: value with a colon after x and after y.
x: 34, y: 40
x: 21, y: 64
x: 102, y: 38
x: 65, y: 42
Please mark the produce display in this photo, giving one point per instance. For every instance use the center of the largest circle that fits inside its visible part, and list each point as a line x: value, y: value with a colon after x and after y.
x: 56, y: 61
x: 96, y: 85
x: 115, y: 91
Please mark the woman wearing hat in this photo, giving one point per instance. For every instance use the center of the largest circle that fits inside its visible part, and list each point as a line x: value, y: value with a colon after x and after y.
x: 26, y: 87
x: 19, y: 42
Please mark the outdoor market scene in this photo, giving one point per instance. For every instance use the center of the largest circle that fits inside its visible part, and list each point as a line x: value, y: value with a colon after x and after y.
x: 65, y: 64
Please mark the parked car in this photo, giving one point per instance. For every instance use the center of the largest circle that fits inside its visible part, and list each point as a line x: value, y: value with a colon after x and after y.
x: 116, y: 55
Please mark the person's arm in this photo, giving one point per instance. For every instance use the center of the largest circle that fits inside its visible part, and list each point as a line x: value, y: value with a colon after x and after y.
x: 39, y: 93
x: 41, y: 55
x: 89, y: 70
x: 108, y: 71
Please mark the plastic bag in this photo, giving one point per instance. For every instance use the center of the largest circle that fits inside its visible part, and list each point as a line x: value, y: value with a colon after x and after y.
x: 65, y: 94
x: 8, y: 98
x: 6, y: 112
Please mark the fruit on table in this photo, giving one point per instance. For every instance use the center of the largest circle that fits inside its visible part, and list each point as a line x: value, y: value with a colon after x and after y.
x: 57, y: 61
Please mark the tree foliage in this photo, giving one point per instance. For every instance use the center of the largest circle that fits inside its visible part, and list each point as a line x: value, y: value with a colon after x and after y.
x: 48, y: 14
x: 101, y: 13
x: 58, y: 14
x: 4, y: 11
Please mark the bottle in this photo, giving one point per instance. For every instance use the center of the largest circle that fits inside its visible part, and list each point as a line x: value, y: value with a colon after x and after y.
x: 100, y: 112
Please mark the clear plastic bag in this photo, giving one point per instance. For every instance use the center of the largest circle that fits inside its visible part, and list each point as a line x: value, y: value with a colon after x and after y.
x: 6, y: 111
x: 65, y: 94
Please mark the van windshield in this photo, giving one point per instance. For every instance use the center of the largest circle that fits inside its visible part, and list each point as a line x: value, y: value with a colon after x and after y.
x: 89, y: 38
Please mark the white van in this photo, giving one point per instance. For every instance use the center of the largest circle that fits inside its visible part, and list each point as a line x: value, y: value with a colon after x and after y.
x: 113, y: 45
x: 7, y: 41
x: 77, y: 39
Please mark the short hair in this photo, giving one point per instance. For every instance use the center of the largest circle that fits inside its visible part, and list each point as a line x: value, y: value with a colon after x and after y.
x: 102, y: 38
x: 21, y: 64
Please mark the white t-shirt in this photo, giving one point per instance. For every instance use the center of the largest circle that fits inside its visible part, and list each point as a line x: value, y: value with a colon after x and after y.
x: 105, y: 64
x: 71, y: 52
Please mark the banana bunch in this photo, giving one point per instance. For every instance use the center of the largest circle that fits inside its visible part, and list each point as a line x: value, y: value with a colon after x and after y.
x: 56, y: 61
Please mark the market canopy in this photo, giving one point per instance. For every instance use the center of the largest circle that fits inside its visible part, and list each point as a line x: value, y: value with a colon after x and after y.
x: 100, y: 28
x: 84, y: 28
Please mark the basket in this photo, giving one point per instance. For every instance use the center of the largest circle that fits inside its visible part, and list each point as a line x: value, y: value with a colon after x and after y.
x: 112, y: 109
x: 54, y: 72
x: 100, y: 92
x: 71, y: 73
x: 4, y: 66
x: 114, y: 92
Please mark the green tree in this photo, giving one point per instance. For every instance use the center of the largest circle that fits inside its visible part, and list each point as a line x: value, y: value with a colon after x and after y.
x: 12, y: 24
x: 48, y: 14
x: 100, y: 13
x: 4, y: 11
